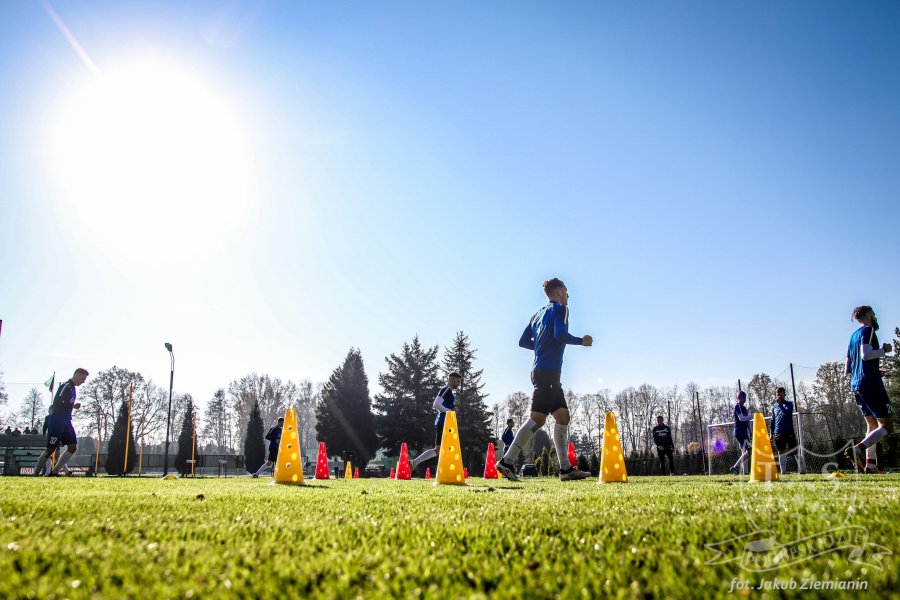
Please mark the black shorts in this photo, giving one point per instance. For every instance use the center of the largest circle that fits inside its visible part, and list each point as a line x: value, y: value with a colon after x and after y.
x: 548, y: 395
x: 872, y: 399
x: 273, y: 454
x: 785, y: 442
x: 60, y: 432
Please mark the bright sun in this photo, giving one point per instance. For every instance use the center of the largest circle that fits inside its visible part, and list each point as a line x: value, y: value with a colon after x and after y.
x: 145, y: 154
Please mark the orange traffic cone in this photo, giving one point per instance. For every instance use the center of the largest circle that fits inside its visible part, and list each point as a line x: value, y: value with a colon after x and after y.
x: 287, y: 467
x: 391, y: 476
x: 322, y: 463
x: 428, y: 473
x: 762, y: 461
x: 403, y: 465
x: 450, y: 468
x: 490, y: 471
x: 573, y: 460
x: 612, y: 463
x: 356, y: 473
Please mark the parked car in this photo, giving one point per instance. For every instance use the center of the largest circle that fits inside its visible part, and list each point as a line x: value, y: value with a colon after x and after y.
x: 528, y: 470
x: 375, y: 470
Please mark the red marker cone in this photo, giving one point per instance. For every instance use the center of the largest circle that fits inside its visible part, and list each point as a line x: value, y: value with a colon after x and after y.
x: 356, y: 473
x: 428, y: 473
x: 391, y: 476
x: 572, y: 458
x: 490, y: 471
x: 322, y: 463
x: 403, y: 469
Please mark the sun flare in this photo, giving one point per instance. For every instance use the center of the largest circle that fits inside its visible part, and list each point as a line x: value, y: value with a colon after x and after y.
x: 146, y: 152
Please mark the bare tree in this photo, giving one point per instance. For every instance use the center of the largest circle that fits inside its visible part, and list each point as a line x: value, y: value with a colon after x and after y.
x: 306, y: 398
x: 33, y: 408
x: 216, y: 429
x: 517, y: 405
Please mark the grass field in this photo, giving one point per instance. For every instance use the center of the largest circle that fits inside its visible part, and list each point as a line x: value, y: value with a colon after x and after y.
x: 147, y: 538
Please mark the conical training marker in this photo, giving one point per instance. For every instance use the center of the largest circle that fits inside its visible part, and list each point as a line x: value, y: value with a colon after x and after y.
x: 573, y: 460
x: 356, y: 473
x: 348, y: 472
x: 391, y: 476
x: 465, y: 472
x: 762, y: 461
x: 322, y: 463
x: 612, y: 462
x: 490, y: 471
x: 288, y: 469
x: 450, y: 467
x: 428, y: 473
x: 403, y: 465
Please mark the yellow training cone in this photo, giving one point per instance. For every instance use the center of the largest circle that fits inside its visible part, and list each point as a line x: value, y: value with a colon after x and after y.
x: 450, y: 467
x: 612, y: 462
x: 348, y: 474
x: 287, y: 466
x: 762, y: 461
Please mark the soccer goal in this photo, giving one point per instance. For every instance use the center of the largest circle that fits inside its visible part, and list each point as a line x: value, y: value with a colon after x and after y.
x: 816, y: 447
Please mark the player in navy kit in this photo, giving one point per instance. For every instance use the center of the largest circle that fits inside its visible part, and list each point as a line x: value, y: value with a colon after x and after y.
x: 60, y: 431
x: 783, y: 431
x: 547, y: 334
x: 274, y: 437
x: 742, y: 420
x: 863, y: 365
x: 444, y: 402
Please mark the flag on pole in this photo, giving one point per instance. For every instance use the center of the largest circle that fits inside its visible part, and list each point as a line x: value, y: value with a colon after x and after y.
x: 51, y: 382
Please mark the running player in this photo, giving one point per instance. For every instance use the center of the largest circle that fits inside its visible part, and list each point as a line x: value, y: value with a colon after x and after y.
x: 863, y: 365
x: 444, y: 402
x: 547, y: 335
x: 741, y: 432
x: 60, y: 431
x: 274, y: 437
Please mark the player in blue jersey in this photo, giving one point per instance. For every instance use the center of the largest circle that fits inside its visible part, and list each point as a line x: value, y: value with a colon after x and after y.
x: 783, y: 432
x: 863, y: 365
x: 60, y: 431
x: 742, y: 420
x: 508, y: 435
x: 274, y: 437
x: 547, y: 334
x: 444, y: 402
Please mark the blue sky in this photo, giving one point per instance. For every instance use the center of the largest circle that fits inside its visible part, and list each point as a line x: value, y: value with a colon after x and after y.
x: 267, y: 184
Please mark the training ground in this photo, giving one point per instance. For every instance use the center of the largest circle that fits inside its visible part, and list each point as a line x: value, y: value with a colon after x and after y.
x: 372, y: 538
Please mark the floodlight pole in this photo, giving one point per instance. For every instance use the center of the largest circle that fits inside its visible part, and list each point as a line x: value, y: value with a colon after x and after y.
x: 169, y: 413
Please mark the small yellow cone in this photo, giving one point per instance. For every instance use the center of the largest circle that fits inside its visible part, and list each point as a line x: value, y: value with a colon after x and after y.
x: 287, y: 467
x: 612, y: 462
x: 762, y: 461
x: 450, y: 467
x: 348, y: 474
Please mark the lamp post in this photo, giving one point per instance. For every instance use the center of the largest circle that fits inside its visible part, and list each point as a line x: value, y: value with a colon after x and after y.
x: 169, y: 414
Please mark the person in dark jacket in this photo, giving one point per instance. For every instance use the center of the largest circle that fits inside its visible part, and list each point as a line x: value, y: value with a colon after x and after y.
x: 274, y: 437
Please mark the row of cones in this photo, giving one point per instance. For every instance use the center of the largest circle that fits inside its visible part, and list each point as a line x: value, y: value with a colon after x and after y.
x: 450, y: 469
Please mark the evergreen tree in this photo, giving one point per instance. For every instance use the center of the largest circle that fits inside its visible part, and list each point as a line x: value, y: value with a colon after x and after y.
x: 115, y: 457
x: 254, y: 442
x: 344, y: 419
x: 405, y: 411
x: 544, y: 461
x: 472, y: 414
x: 186, y: 440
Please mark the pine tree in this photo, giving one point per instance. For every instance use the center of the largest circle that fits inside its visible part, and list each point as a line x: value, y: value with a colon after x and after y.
x: 344, y: 419
x: 472, y: 414
x: 254, y: 442
x: 115, y: 458
x: 545, y: 462
x: 405, y: 411
x: 186, y: 440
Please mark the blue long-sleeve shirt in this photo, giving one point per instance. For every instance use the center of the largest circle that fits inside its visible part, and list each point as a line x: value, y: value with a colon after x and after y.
x: 547, y: 334
x: 782, y: 418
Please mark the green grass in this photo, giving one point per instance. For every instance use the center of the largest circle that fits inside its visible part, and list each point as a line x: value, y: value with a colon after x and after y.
x: 142, y: 538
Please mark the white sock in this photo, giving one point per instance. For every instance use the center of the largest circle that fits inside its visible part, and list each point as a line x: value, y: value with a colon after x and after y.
x: 62, y: 462
x: 42, y: 462
x: 741, y: 459
x: 872, y: 454
x: 427, y: 455
x: 561, y: 441
x: 523, y: 436
x: 873, y: 437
